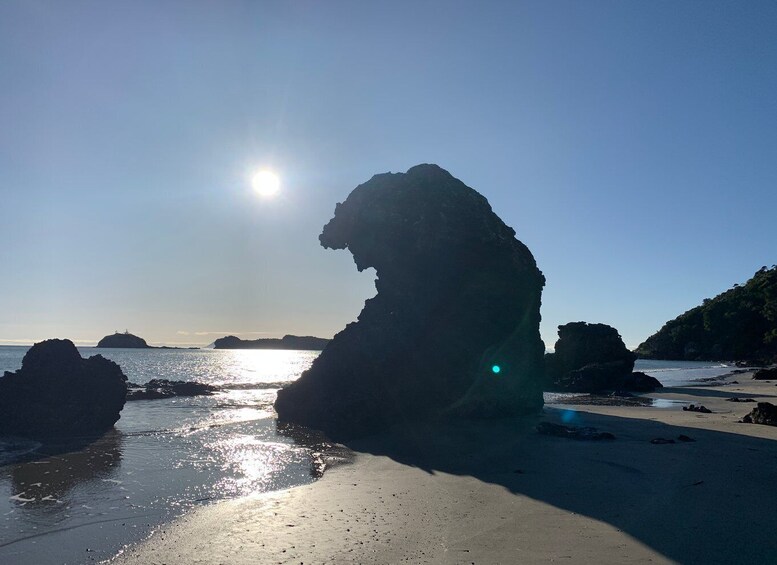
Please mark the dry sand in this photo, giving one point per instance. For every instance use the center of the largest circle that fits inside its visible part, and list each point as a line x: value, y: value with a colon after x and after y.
x: 502, y: 493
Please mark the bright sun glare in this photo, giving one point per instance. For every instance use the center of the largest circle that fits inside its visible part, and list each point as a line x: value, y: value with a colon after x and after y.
x: 265, y: 183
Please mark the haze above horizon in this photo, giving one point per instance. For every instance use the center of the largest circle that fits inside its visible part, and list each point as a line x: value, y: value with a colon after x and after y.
x: 630, y: 145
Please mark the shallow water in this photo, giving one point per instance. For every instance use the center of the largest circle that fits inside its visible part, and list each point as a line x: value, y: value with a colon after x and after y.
x: 79, y: 501
x: 683, y: 373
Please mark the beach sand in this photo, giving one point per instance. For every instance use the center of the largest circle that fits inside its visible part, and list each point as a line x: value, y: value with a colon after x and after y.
x: 499, y: 492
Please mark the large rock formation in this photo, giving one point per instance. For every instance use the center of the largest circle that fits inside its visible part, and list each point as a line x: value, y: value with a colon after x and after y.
x: 58, y: 393
x: 454, y: 327
x: 739, y: 324
x: 125, y: 340
x: 286, y: 342
x: 593, y: 358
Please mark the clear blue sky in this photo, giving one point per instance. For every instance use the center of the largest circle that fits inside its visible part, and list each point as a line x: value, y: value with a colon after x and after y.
x: 632, y: 146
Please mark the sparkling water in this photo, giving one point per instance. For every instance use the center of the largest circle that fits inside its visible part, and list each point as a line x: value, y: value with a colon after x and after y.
x: 74, y: 502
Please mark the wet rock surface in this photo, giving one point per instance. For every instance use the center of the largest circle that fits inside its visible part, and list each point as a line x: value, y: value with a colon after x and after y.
x: 593, y: 358
x: 162, y: 388
x: 454, y: 327
x: 58, y: 393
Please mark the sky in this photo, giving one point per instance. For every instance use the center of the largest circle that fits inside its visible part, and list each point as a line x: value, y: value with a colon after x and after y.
x: 631, y: 145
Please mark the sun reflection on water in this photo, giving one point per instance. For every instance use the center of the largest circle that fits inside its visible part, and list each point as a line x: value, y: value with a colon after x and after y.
x: 250, y: 464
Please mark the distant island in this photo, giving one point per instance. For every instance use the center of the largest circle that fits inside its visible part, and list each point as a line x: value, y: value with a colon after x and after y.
x: 739, y: 324
x: 286, y: 342
x: 127, y: 340
x: 123, y: 340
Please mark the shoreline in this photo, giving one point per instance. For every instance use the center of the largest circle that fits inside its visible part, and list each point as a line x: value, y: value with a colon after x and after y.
x: 498, y: 492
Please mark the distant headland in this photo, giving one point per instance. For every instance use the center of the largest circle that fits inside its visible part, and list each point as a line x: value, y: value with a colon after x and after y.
x: 286, y: 342
x: 738, y: 324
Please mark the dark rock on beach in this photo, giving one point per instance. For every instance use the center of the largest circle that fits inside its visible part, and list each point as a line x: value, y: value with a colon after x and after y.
x: 163, y: 388
x: 766, y: 374
x: 454, y: 327
x: 593, y: 358
x: 693, y: 408
x: 58, y: 393
x: 125, y: 340
x: 764, y: 413
x: 738, y: 399
x: 640, y: 382
x: 661, y: 441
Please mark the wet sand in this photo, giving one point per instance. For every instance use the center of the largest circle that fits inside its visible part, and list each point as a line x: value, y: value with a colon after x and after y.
x: 499, y: 492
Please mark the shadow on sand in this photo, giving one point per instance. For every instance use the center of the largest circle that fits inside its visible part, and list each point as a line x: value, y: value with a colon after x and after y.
x: 709, y: 393
x: 707, y: 501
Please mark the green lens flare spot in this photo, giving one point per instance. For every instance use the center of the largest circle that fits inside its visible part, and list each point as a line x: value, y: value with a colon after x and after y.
x: 496, y: 369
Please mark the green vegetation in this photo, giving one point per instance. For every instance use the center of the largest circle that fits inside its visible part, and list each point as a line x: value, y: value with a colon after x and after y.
x: 739, y: 324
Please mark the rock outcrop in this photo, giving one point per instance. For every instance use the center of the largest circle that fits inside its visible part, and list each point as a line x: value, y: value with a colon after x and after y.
x: 125, y: 340
x: 163, y: 388
x: 739, y: 324
x: 58, y: 393
x: 593, y: 358
x: 764, y: 413
x: 765, y: 374
x: 454, y: 327
x: 302, y: 343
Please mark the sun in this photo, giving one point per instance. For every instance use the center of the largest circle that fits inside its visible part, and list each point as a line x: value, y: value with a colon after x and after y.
x: 266, y: 183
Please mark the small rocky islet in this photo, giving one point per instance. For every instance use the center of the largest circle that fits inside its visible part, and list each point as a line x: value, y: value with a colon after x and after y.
x: 124, y: 340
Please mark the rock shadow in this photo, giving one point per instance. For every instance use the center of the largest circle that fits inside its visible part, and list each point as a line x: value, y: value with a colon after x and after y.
x: 707, y: 501
x: 42, y: 479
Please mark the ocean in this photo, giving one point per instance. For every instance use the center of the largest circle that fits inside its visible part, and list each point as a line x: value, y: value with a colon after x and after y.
x: 164, y: 457
x: 73, y: 503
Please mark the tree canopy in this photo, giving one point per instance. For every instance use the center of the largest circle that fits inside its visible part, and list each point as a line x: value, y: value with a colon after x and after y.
x: 738, y: 324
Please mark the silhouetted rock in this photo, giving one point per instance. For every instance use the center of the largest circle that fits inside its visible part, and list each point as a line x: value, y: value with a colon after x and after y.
x: 765, y: 374
x: 163, y: 388
x: 303, y: 343
x: 738, y: 399
x: 737, y: 324
x: 454, y: 327
x: 58, y: 393
x: 640, y: 382
x: 764, y: 413
x: 593, y: 358
x: 124, y: 341
x: 572, y: 432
